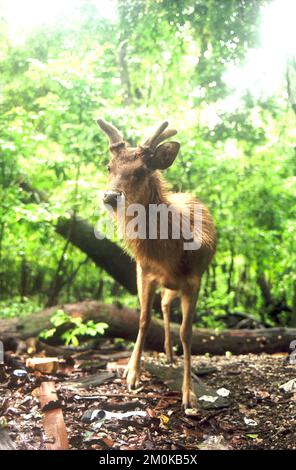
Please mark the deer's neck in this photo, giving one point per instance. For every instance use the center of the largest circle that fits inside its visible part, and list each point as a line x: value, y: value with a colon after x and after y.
x: 156, y: 192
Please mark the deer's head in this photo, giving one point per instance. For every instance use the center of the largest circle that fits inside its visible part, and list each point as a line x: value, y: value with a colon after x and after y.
x: 131, y: 168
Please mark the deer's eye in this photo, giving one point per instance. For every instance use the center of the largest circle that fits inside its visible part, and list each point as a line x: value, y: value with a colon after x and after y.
x: 108, y: 168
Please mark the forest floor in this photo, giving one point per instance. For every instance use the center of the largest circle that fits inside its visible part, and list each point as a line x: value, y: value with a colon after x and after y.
x: 259, y: 415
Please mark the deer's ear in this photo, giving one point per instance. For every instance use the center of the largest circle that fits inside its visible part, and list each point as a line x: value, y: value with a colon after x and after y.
x: 163, y: 156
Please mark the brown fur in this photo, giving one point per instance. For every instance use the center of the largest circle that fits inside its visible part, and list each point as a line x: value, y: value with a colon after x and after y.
x: 162, y: 263
x: 166, y: 258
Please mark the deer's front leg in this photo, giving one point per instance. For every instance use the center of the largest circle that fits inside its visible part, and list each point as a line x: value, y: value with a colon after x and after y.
x: 188, y: 302
x: 146, y: 289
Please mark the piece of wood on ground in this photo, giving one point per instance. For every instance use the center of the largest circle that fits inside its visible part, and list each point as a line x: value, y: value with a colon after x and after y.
x: 124, y: 406
x: 148, y: 396
x: 53, y: 421
x: 90, y: 381
x: 92, y: 365
x: 5, y: 442
x: 50, y: 350
x: 172, y: 377
x: 46, y: 365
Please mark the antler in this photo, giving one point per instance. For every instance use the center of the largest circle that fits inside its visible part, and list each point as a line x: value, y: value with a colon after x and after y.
x: 165, y: 135
x: 159, y: 136
x: 111, y: 131
x: 116, y: 138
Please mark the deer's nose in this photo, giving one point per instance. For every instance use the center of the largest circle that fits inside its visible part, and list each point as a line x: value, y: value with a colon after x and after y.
x: 111, y: 197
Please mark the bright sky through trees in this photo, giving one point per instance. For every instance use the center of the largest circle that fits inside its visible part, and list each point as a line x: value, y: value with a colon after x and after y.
x: 25, y: 15
x: 264, y: 67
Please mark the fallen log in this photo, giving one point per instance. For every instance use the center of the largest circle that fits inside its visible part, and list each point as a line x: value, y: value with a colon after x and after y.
x: 123, y: 323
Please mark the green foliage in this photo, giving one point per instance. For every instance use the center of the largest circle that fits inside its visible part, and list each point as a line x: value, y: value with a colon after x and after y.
x: 14, y: 308
x: 75, y: 328
x: 158, y: 59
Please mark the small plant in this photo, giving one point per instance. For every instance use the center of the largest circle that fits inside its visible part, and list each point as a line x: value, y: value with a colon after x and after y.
x: 15, y: 307
x: 77, y: 327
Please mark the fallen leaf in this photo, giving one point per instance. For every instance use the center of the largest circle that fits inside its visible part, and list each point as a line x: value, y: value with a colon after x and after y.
x: 208, y: 398
x: 192, y: 412
x: 242, y: 408
x: 214, y: 443
x: 151, y: 413
x: 164, y: 421
x: 262, y: 394
x: 250, y: 422
x: 289, y: 386
x: 223, y: 392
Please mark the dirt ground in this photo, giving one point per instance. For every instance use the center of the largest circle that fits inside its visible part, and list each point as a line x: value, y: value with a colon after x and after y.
x: 260, y: 415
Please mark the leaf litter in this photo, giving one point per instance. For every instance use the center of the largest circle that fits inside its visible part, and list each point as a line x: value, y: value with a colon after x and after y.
x: 153, y: 419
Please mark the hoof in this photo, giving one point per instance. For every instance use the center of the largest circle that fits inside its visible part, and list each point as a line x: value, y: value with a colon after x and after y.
x: 132, y: 376
x: 189, y: 400
x: 170, y: 360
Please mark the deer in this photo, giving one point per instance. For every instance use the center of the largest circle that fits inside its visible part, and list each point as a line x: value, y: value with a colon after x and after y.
x: 135, y: 174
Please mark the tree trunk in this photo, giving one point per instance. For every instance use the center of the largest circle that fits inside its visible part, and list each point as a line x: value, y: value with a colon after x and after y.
x: 290, y: 75
x: 104, y: 253
x: 293, y: 313
x: 265, y: 290
x: 124, y: 75
x: 123, y: 323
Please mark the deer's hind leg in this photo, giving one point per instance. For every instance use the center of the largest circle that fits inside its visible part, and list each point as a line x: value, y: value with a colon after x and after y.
x: 189, y: 297
x: 167, y: 296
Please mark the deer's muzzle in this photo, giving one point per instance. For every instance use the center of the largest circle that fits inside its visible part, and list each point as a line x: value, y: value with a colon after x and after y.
x: 112, y: 198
